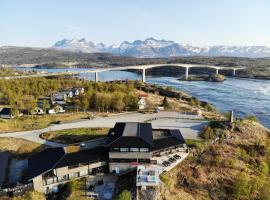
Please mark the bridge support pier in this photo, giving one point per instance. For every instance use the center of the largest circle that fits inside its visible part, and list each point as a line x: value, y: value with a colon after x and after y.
x: 143, y: 75
x: 96, y: 77
x: 216, y: 70
x: 234, y: 72
x: 187, y: 73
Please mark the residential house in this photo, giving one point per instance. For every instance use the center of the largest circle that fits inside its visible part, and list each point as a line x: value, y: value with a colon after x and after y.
x: 6, y: 113
x: 129, y: 146
x: 56, y: 109
x: 142, y: 100
x: 38, y: 111
x: 60, y: 96
x: 77, y: 91
x: 134, y: 143
x: 55, y: 166
x: 142, y: 103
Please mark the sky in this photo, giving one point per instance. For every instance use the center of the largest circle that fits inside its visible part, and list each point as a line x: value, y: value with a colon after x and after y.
x: 40, y: 23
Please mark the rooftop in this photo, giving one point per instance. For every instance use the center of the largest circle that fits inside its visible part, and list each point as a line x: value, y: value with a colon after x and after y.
x: 52, y: 158
x: 133, y: 134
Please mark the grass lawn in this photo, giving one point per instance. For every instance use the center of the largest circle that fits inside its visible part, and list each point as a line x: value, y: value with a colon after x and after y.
x: 19, y: 147
x: 70, y: 136
x: 37, y: 122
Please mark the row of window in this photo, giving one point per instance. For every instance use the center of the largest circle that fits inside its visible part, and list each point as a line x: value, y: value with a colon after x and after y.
x: 55, y: 179
x: 130, y: 149
x: 117, y: 160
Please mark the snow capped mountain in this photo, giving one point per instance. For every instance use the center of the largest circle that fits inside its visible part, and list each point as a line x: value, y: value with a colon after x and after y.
x: 151, y: 48
x: 76, y: 45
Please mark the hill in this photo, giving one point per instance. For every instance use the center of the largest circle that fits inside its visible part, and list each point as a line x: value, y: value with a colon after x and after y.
x: 257, y: 67
x: 235, y: 166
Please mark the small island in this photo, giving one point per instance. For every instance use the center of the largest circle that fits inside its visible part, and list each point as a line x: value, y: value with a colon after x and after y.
x: 204, y: 77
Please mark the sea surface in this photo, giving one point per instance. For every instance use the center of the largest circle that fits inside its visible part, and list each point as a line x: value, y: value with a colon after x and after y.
x: 243, y: 96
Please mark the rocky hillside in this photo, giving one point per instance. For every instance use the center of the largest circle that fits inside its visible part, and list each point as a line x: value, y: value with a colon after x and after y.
x: 235, y: 166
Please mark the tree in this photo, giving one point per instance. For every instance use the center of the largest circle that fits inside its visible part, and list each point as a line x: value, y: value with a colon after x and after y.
x: 131, y: 101
x: 29, y: 104
x: 77, y: 104
x: 124, y: 195
x: 107, y: 101
x: 208, y: 133
x: 166, y: 103
x: 117, y: 101
x: 84, y: 103
x: 45, y: 105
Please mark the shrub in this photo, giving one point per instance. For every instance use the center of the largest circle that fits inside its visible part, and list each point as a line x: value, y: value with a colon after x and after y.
x: 208, y: 107
x: 194, y: 101
x: 241, y: 187
x: 124, y: 195
x: 242, y: 154
x: 166, y: 103
x: 251, y: 118
x: 208, y: 133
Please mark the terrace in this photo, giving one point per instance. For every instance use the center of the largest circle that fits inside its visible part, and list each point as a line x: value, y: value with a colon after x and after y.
x: 147, y: 176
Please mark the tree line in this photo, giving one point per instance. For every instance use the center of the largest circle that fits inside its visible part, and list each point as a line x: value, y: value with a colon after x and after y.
x: 101, y: 96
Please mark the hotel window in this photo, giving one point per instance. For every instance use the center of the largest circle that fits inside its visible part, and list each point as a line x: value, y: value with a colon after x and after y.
x: 124, y: 149
x: 144, y: 150
x: 134, y: 149
x: 115, y: 149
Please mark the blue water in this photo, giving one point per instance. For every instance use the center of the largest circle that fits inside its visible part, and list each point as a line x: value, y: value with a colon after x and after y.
x: 244, y: 96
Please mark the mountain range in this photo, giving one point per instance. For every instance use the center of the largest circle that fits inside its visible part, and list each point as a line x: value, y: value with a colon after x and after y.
x: 153, y: 48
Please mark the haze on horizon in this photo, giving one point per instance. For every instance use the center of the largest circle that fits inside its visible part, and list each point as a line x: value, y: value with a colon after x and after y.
x: 209, y: 22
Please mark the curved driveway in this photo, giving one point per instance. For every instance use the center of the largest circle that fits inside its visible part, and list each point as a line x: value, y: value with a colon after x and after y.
x: 189, y: 125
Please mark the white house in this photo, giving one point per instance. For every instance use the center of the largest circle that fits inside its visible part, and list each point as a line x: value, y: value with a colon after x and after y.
x: 37, y: 111
x: 77, y: 91
x: 60, y: 96
x: 142, y: 103
x: 56, y: 109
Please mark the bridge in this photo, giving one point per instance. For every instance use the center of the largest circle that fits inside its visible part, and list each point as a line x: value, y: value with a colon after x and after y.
x: 136, y: 67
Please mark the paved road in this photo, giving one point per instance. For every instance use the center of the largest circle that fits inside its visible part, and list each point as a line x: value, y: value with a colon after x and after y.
x: 189, y: 125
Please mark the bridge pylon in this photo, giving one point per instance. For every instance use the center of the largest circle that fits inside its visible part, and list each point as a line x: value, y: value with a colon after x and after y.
x: 96, y: 77
x: 143, y: 75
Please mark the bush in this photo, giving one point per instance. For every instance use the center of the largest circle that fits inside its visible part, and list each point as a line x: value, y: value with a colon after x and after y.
x: 124, y: 195
x: 194, y: 101
x: 241, y: 187
x: 166, y: 103
x: 209, y: 107
x: 252, y: 118
x: 208, y: 133
x: 242, y: 154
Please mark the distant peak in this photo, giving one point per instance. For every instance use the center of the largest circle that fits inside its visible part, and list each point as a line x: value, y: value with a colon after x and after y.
x: 152, y: 47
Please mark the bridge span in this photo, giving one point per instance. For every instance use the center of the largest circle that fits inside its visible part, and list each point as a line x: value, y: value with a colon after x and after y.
x: 138, y: 67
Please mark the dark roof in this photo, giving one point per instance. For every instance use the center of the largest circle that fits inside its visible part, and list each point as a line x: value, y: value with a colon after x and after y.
x: 53, y: 158
x: 131, y: 134
x: 86, y: 156
x: 5, y: 111
x: 44, y: 161
x: 175, y: 138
